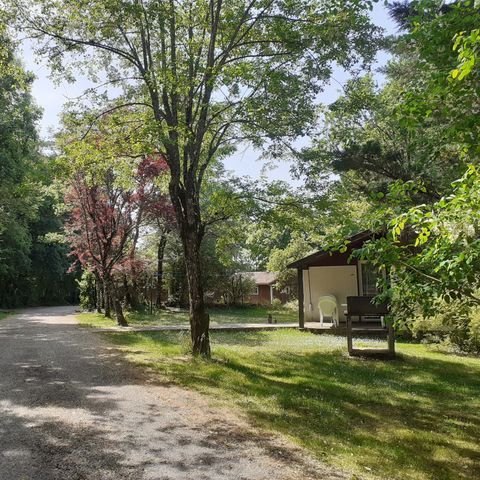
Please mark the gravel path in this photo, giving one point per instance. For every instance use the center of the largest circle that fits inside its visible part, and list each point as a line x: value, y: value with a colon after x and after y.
x: 72, y: 408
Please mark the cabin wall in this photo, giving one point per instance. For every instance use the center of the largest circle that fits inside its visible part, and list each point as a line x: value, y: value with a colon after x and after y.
x: 340, y: 281
x: 262, y: 298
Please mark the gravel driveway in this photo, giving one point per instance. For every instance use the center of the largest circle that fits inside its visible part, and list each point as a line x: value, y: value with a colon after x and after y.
x: 72, y: 408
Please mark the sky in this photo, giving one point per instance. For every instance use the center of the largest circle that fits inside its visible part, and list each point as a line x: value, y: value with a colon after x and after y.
x: 246, y: 161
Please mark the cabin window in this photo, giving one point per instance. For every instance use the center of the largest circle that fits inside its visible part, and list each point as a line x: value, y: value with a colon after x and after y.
x: 369, y: 276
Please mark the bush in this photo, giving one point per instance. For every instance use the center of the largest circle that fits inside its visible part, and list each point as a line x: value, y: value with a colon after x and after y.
x: 276, y: 303
x: 88, y: 292
x: 291, y: 305
x: 454, y: 326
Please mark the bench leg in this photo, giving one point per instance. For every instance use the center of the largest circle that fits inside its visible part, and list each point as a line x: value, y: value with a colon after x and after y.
x: 349, y: 335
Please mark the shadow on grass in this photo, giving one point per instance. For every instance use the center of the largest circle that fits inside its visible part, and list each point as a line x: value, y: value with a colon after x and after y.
x: 173, y: 339
x: 244, y: 339
x: 420, y: 415
x: 415, y: 417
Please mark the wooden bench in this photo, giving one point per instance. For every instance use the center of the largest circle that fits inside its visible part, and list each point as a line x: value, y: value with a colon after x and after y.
x: 361, y: 307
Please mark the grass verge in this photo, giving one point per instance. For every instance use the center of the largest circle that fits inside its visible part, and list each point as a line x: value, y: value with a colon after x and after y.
x: 417, y: 417
x: 217, y: 316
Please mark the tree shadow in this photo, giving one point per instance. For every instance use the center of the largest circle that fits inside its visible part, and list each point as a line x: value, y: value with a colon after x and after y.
x: 244, y: 339
x: 419, y: 413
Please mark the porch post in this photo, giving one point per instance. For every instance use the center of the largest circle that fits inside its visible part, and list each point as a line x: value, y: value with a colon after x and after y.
x: 301, y: 313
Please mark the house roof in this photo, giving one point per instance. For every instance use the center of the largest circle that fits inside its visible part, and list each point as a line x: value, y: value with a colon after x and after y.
x: 329, y: 257
x: 262, y: 278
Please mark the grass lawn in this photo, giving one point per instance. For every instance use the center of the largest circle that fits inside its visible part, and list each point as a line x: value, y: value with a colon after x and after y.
x: 417, y: 417
x: 217, y: 316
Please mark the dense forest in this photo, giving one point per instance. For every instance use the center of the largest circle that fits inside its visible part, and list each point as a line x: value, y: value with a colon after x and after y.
x: 33, y: 258
x: 131, y: 206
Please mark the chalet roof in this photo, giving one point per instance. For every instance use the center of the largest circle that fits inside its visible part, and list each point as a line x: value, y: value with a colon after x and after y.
x: 262, y: 278
x: 319, y: 258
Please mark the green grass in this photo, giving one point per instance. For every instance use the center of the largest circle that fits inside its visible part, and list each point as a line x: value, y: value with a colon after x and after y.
x: 4, y: 315
x: 217, y: 316
x: 417, y: 417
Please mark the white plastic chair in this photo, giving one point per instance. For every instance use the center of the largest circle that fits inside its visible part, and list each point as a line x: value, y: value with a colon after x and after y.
x: 327, y: 306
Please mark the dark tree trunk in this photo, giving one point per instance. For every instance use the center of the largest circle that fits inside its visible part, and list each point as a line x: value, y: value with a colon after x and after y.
x: 160, y: 255
x: 117, y: 305
x: 121, y: 320
x: 127, y: 294
x: 98, y: 296
x: 134, y: 293
x: 186, y: 203
x: 107, y: 298
x: 199, y: 317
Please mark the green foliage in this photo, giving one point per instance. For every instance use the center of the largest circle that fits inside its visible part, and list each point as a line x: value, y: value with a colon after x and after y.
x: 276, y: 303
x: 281, y: 257
x: 452, y: 325
x: 468, y: 47
x: 33, y: 262
x: 19, y: 199
x: 433, y: 252
x: 419, y: 125
x: 402, y: 149
x: 87, y: 290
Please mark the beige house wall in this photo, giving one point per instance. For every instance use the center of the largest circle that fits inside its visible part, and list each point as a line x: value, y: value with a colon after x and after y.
x: 340, y: 281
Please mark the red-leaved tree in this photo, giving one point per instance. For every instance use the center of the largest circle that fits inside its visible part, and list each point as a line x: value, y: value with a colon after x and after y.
x: 105, y: 220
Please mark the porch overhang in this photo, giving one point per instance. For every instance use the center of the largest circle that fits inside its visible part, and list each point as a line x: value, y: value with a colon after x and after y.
x: 330, y: 257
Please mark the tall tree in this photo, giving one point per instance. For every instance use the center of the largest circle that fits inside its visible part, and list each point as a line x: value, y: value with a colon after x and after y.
x: 422, y: 123
x: 20, y: 193
x: 209, y: 75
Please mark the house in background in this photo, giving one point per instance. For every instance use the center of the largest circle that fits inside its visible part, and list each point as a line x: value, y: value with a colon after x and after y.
x: 333, y: 274
x: 265, y: 289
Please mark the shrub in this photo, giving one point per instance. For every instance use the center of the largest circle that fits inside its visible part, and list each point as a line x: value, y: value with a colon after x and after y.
x: 88, y: 292
x: 276, y: 303
x: 454, y: 325
x: 291, y: 305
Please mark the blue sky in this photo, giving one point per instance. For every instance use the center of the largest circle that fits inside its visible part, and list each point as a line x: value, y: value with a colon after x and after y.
x: 51, y: 98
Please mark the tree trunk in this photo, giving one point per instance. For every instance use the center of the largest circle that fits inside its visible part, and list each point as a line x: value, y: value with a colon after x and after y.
x: 117, y: 305
x: 199, y: 318
x: 160, y: 254
x: 121, y: 320
x: 107, y: 298
x: 127, y: 294
x: 98, y: 296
